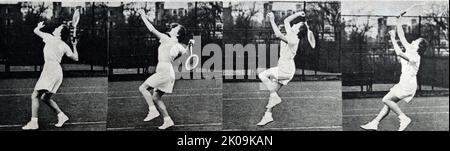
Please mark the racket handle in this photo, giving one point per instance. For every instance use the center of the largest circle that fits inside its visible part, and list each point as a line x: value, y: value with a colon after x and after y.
x: 401, y: 14
x: 74, y: 32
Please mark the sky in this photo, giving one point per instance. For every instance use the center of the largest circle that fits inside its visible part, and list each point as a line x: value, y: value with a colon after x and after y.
x: 386, y: 7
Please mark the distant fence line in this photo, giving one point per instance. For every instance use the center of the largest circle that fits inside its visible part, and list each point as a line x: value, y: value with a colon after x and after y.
x: 325, y: 57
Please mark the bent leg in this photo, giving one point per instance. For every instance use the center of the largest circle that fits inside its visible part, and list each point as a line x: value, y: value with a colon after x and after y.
x: 168, y: 122
x: 47, y: 99
x: 391, y: 100
x: 146, y: 93
x: 157, y: 95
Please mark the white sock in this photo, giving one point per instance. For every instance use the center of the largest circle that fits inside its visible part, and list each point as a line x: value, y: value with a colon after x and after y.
x: 61, y: 114
x: 274, y: 94
x: 167, y: 118
x: 34, y: 119
x: 402, y: 116
x: 152, y: 108
x: 268, y: 113
x: 375, y: 121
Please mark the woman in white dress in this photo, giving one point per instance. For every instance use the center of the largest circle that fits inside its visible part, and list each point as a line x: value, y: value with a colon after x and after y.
x: 163, y: 80
x: 275, y: 77
x: 406, y: 88
x: 51, y: 76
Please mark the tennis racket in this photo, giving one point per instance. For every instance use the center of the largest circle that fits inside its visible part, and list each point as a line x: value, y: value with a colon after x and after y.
x: 193, y: 59
x: 75, y: 20
x: 310, y: 36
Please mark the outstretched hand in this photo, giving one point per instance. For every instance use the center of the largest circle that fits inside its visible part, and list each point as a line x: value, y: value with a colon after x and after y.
x: 40, y: 24
x: 300, y: 13
x: 191, y: 42
x: 270, y: 16
x: 74, y: 41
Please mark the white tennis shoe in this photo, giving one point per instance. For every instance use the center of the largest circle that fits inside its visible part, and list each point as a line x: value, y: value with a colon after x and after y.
x: 267, y: 118
x: 168, y: 122
x: 373, y: 125
x: 152, y: 114
x: 31, y: 125
x: 404, y: 122
x: 62, y: 118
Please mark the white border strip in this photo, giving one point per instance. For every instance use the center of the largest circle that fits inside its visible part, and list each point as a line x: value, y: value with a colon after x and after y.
x: 413, y: 113
x: 179, y: 125
x: 418, y: 107
x: 62, y: 93
x: 74, y: 123
x: 187, y: 89
x: 300, y: 97
x: 165, y: 96
x: 289, y: 128
x: 31, y: 88
x: 283, y: 92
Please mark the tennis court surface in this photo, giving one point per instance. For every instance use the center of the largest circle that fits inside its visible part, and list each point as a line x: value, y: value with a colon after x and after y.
x: 193, y: 105
x: 427, y: 114
x: 306, y: 106
x: 84, y: 100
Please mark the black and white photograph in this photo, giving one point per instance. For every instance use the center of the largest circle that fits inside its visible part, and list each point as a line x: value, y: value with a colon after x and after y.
x: 162, y: 66
x: 395, y: 65
x: 281, y: 66
x: 53, y: 66
x: 194, y: 71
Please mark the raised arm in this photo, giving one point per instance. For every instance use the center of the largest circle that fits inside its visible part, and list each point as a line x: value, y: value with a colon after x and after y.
x: 401, y: 34
x: 149, y: 25
x: 72, y: 55
x: 397, y: 48
x: 38, y: 31
x: 288, y: 20
x: 181, y: 49
x: 275, y: 28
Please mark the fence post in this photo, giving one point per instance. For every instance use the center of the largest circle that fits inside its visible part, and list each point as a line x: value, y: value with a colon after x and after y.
x: 7, y: 67
x: 108, y: 60
x: 339, y: 45
x: 323, y: 35
x: 419, y: 80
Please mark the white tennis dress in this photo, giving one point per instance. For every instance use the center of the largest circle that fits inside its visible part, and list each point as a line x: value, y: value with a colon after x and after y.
x: 406, y: 88
x: 285, y: 70
x: 164, y: 78
x: 51, y: 76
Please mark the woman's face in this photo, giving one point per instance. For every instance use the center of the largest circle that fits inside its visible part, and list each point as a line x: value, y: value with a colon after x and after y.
x: 415, y: 45
x: 296, y: 27
x: 174, y: 30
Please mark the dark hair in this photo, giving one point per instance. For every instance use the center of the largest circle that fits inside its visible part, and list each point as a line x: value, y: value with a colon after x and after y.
x: 183, y: 37
x: 303, y: 31
x: 51, y: 26
x: 65, y: 33
x: 423, y: 46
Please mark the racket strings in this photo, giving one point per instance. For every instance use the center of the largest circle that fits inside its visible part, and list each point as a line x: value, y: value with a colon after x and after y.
x: 192, y: 60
